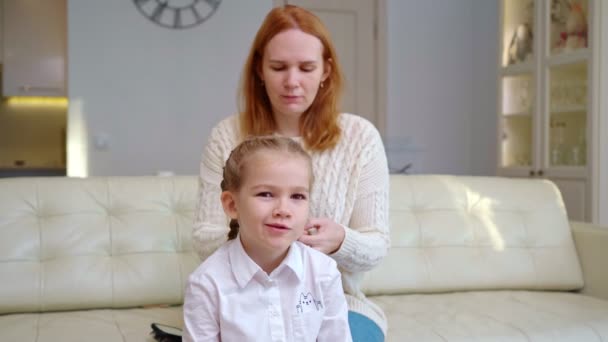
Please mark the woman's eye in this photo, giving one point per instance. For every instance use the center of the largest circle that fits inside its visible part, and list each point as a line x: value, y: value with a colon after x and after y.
x: 264, y: 194
x: 277, y: 68
x: 308, y: 68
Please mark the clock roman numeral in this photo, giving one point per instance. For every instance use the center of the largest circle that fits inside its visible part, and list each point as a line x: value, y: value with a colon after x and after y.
x: 158, y: 12
x: 196, y: 14
x: 177, y: 19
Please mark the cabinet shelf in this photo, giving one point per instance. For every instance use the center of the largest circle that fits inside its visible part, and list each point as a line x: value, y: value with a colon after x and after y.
x: 572, y: 109
x: 517, y: 69
x: 580, y: 55
x: 516, y: 114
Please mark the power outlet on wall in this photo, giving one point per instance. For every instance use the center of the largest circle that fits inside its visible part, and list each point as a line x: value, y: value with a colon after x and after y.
x: 101, y: 141
x: 402, y: 154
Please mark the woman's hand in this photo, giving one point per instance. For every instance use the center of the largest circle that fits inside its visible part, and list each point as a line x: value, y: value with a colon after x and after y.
x: 323, y: 234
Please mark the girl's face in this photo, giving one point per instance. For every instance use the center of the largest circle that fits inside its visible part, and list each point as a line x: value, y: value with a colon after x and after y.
x: 292, y: 70
x: 272, y: 204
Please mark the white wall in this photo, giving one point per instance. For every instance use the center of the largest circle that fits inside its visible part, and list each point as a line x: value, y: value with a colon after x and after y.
x: 483, y: 143
x: 148, y: 96
x: 441, y: 82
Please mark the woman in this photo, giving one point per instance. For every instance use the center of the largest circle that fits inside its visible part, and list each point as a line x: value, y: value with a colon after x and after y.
x: 291, y: 86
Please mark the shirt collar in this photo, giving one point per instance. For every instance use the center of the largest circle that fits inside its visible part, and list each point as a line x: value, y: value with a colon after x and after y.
x: 293, y: 260
x: 244, y: 268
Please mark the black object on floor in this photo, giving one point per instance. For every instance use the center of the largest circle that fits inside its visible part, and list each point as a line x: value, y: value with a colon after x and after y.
x: 166, y: 333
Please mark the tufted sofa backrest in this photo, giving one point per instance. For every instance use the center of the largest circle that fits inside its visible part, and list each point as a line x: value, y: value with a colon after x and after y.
x: 452, y: 233
x: 68, y: 243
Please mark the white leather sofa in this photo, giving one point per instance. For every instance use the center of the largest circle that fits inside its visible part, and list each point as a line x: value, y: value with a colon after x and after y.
x: 472, y: 258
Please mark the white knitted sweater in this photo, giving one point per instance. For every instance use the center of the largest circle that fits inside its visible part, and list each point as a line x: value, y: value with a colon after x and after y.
x: 350, y: 187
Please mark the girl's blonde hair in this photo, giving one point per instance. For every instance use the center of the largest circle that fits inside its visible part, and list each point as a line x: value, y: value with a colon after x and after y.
x: 319, y: 124
x: 233, y: 173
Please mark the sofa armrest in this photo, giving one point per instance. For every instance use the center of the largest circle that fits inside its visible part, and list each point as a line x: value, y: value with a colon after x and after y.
x: 592, y: 247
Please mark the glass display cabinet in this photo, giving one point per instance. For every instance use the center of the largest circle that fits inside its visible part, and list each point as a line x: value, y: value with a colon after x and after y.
x: 546, y: 71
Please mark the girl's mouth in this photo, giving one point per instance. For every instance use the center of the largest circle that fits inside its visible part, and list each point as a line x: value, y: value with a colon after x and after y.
x: 277, y: 226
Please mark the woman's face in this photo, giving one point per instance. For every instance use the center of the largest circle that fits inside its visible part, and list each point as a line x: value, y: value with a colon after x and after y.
x: 292, y: 70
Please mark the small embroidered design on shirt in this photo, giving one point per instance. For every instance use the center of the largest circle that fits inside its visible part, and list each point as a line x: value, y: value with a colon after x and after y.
x: 307, y: 302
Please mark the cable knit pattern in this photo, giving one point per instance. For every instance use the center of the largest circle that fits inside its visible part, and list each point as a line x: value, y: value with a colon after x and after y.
x: 350, y: 187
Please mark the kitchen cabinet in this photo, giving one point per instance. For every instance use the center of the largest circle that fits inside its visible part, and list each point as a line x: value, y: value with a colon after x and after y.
x: 34, y: 47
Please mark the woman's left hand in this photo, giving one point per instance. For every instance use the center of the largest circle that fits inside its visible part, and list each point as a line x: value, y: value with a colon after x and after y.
x: 323, y: 234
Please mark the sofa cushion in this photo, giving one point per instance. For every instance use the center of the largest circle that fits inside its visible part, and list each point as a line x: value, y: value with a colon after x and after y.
x: 495, y: 316
x: 452, y: 233
x: 69, y: 243
x: 465, y: 316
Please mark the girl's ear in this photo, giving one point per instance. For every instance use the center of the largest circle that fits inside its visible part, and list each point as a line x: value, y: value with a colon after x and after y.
x: 229, y: 204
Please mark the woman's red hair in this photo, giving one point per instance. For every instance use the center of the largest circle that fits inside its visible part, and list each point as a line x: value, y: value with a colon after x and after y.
x: 319, y: 124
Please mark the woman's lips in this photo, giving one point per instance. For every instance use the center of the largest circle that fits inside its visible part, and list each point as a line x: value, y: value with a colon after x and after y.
x: 291, y: 98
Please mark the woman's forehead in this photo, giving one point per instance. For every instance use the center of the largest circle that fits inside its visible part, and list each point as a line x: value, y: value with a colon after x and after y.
x: 292, y: 45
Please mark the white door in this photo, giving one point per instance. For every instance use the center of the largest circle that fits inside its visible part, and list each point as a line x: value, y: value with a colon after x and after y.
x: 352, y: 25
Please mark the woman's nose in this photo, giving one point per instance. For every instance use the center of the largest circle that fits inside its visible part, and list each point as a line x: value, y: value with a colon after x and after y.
x: 292, y: 79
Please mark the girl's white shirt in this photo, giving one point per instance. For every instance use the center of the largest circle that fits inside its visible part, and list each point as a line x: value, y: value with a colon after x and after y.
x: 230, y: 298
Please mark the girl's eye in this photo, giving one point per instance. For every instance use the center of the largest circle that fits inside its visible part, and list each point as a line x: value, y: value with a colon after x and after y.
x: 309, y: 68
x: 264, y: 194
x: 277, y: 68
x: 298, y: 196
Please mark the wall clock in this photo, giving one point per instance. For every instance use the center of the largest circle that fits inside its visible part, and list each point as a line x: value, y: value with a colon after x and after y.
x: 177, y: 14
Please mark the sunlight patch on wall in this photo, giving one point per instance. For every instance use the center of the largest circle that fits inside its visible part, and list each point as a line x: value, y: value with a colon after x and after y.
x: 77, y: 137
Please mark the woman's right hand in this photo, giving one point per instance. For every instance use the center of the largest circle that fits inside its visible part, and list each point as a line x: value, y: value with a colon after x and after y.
x: 323, y: 234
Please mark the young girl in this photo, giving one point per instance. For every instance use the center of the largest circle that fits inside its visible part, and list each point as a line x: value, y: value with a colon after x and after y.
x: 264, y: 285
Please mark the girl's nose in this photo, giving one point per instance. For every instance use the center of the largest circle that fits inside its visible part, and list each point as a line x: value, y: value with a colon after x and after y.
x: 280, y: 211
